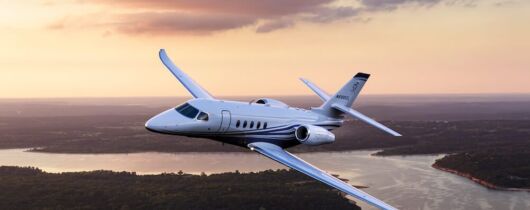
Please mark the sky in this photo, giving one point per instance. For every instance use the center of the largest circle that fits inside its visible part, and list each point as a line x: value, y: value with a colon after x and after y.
x: 109, y: 48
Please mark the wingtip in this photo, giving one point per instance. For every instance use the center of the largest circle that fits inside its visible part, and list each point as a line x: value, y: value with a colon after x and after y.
x: 394, y: 133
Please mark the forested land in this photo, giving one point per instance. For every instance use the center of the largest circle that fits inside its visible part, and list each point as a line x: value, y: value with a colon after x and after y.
x: 31, y: 188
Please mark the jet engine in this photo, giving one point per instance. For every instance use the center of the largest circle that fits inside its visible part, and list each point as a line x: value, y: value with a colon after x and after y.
x: 271, y: 102
x: 313, y: 135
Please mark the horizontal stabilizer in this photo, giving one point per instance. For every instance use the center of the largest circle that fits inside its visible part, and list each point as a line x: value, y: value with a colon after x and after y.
x: 322, y: 94
x: 364, y: 118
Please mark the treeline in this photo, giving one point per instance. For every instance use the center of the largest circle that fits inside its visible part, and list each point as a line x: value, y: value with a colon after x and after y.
x: 443, y: 137
x: 31, y: 188
x: 504, y: 167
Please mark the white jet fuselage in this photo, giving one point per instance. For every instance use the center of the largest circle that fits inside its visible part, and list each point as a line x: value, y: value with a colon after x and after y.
x: 239, y: 123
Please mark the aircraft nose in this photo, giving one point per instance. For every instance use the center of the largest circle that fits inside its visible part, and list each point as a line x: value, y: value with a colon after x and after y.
x: 154, y: 125
x: 164, y: 122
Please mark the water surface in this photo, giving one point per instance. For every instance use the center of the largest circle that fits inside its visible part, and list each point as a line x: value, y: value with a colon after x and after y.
x: 405, y: 182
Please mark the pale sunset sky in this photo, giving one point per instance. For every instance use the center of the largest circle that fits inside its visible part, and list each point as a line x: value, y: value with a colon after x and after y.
x: 109, y: 48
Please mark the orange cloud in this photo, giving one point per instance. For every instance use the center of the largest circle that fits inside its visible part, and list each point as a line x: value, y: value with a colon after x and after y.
x: 259, y: 8
x: 179, y: 22
x: 207, y: 16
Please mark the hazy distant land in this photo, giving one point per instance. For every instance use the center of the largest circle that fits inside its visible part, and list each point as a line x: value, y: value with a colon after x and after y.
x: 480, y: 132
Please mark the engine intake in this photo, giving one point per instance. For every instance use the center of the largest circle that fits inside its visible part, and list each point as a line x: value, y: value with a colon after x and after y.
x: 313, y: 135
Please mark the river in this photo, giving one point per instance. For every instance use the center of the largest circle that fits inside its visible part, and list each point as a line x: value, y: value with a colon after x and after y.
x: 406, y: 182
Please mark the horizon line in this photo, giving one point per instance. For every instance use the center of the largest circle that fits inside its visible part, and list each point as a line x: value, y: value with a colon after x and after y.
x: 294, y: 95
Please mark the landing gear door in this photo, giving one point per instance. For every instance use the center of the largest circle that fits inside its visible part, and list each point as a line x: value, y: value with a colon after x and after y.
x: 225, y: 121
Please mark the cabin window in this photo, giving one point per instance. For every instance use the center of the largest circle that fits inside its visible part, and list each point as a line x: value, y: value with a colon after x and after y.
x: 258, y: 125
x: 202, y: 116
x: 245, y: 124
x: 251, y: 124
x: 265, y: 125
x: 238, y: 123
x: 187, y: 110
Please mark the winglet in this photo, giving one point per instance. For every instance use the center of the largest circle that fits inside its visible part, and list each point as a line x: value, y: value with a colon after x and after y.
x: 195, y: 89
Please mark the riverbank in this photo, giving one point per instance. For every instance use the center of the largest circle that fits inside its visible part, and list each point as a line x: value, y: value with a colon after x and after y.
x: 477, y: 180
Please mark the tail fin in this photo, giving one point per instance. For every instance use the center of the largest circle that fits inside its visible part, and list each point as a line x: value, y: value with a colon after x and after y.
x: 340, y: 103
x: 348, y: 93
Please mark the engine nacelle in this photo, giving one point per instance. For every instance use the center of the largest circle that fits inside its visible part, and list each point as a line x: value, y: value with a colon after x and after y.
x: 313, y: 135
x: 271, y: 102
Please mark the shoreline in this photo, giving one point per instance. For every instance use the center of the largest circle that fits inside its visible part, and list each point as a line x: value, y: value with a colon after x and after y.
x: 484, y: 183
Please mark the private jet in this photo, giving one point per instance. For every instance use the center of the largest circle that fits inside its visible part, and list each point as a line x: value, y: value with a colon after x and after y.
x: 268, y: 126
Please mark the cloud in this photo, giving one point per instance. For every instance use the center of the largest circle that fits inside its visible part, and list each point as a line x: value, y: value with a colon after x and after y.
x: 179, y: 22
x: 274, y: 25
x: 388, y: 5
x: 208, y: 16
x: 257, y: 8
x: 504, y: 3
x: 327, y: 14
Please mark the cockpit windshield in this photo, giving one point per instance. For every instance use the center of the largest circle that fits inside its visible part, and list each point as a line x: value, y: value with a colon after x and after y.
x: 187, y: 110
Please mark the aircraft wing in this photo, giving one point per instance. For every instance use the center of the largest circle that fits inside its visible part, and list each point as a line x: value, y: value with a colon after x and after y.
x: 195, y: 89
x: 279, y: 155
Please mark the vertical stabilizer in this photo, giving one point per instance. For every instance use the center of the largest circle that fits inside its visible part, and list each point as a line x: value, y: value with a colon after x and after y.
x: 340, y: 103
x: 348, y: 93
